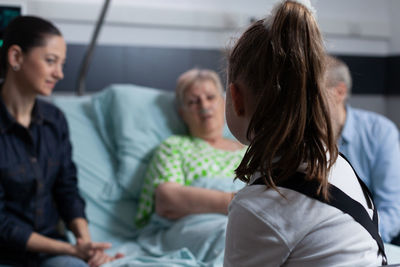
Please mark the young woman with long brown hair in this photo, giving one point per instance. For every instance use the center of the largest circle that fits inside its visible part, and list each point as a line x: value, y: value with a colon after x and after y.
x: 289, y: 213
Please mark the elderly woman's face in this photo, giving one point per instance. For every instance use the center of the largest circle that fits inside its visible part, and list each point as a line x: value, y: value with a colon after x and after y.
x: 203, y: 109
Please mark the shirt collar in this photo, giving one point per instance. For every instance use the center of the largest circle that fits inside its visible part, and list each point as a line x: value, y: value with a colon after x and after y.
x: 349, y: 129
x: 37, y: 113
x: 7, y: 120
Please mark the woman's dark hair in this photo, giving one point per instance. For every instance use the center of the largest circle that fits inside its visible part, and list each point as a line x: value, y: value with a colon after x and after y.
x: 282, y: 60
x: 26, y: 32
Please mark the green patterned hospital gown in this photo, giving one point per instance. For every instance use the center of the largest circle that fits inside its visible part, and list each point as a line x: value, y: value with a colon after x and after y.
x: 183, y: 159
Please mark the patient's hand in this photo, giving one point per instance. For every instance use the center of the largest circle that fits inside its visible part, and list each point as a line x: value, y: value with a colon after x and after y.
x: 174, y: 200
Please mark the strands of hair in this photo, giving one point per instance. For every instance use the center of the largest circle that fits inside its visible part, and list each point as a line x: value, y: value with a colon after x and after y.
x: 305, y: 3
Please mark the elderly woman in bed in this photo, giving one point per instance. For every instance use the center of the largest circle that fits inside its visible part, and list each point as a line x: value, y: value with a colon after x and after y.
x: 180, y: 160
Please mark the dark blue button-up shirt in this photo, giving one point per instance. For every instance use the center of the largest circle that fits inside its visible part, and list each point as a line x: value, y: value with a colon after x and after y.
x: 38, y: 183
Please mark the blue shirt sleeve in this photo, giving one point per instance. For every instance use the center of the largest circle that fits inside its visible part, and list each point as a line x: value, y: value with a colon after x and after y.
x: 371, y: 143
x: 385, y: 180
x: 70, y: 203
x: 12, y: 232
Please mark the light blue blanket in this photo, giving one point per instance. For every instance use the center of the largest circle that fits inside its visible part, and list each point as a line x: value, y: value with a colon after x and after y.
x: 196, y: 240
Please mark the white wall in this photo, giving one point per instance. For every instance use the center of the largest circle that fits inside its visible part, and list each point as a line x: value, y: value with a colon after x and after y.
x: 394, y: 15
x: 350, y: 27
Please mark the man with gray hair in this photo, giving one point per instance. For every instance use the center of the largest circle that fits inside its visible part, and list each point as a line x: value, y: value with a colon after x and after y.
x: 371, y: 143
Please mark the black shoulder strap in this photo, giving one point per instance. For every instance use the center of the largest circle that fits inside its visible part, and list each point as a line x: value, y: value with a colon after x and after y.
x: 339, y: 200
x: 367, y: 193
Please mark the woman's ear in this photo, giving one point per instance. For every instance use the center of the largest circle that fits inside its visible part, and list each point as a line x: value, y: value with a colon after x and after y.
x: 237, y: 99
x: 341, y: 91
x: 15, y: 57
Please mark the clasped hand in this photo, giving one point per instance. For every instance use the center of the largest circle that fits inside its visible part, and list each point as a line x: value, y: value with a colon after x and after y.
x: 94, y: 252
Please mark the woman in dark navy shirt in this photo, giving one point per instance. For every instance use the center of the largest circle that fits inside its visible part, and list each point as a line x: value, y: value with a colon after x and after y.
x: 38, y: 183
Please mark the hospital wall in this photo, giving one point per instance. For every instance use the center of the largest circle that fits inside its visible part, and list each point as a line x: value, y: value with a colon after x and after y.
x: 151, y: 42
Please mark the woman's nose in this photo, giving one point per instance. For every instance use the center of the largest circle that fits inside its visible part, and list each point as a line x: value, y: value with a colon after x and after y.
x: 59, y: 73
x: 204, y: 103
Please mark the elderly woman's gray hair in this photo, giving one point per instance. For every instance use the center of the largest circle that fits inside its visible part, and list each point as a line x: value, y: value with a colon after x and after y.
x: 187, y: 79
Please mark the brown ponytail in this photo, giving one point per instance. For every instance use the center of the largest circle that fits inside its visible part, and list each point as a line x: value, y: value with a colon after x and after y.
x: 281, y: 59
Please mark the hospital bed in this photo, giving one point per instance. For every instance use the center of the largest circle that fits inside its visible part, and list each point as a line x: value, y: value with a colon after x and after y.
x: 114, y: 133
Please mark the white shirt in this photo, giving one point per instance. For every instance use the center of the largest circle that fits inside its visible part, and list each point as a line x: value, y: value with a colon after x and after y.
x: 266, y: 229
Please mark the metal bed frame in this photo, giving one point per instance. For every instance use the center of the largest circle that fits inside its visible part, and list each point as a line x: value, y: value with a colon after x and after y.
x: 81, y: 86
